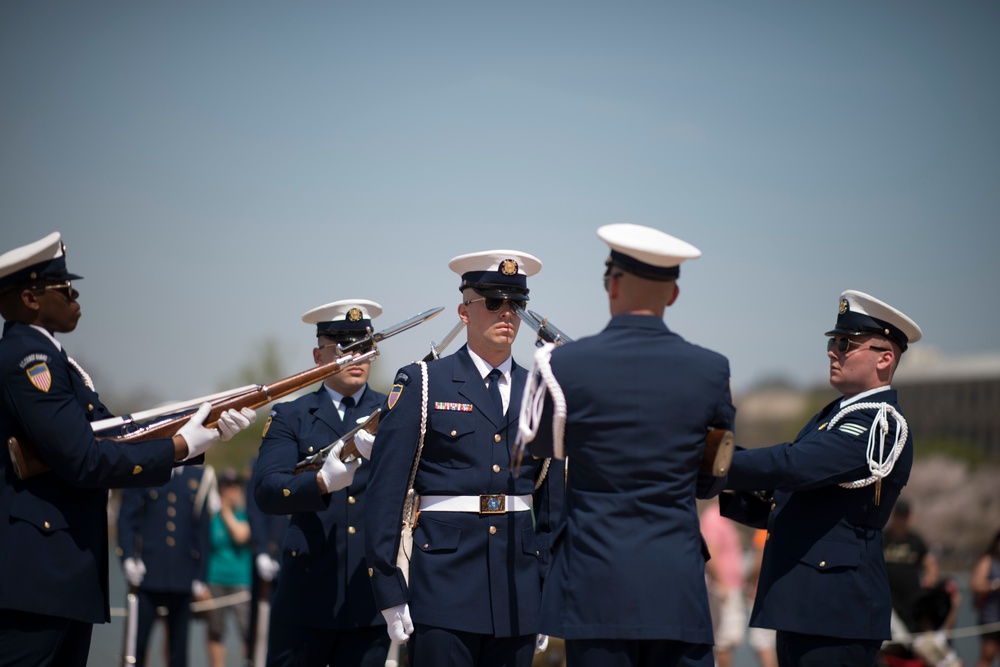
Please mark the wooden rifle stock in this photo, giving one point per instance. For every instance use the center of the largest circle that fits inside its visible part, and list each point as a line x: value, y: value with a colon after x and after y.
x: 350, y: 450
x: 719, y: 445
x: 27, y: 463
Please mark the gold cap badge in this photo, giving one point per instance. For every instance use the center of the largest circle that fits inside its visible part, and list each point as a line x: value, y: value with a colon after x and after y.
x: 843, y: 306
x: 354, y: 315
x: 508, y: 267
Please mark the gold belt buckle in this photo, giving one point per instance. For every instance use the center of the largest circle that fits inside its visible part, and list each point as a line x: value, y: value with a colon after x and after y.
x: 493, y: 504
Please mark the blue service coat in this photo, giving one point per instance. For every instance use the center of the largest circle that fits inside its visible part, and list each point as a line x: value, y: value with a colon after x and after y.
x: 468, y: 572
x: 628, y: 561
x: 167, y: 528
x: 822, y: 572
x: 54, y: 527
x: 324, y: 582
x: 266, y: 530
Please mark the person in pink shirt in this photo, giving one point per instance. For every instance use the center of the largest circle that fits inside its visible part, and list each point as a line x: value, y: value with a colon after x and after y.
x: 724, y: 575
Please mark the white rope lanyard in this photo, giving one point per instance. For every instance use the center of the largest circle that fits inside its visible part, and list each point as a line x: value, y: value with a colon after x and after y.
x: 540, y: 381
x: 879, y: 463
x: 79, y: 369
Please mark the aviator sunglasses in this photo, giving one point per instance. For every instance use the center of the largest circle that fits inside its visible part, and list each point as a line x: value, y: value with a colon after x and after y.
x: 494, y: 304
x: 843, y: 344
x: 66, y: 289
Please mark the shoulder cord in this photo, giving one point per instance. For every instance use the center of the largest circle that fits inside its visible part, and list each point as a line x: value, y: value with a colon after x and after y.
x: 409, y: 503
x: 880, y: 465
x: 79, y: 369
x: 541, y: 381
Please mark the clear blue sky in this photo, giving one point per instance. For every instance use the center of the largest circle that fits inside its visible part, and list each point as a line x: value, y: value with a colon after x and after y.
x: 217, y: 169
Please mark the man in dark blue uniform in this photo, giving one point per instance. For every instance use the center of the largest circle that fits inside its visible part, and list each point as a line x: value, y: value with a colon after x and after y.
x: 267, y: 532
x: 163, y: 544
x: 823, y: 584
x: 54, y: 526
x: 323, y: 611
x: 630, y: 409
x: 473, y: 588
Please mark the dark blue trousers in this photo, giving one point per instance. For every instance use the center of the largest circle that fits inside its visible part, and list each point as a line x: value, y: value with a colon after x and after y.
x: 637, y: 653
x: 796, y: 650
x: 439, y: 647
x: 294, y: 646
x: 33, y: 640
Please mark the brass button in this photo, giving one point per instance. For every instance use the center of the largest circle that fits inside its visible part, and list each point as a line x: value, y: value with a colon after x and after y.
x: 426, y: 545
x: 493, y: 530
x: 172, y: 497
x: 822, y: 563
x: 773, y: 505
x: 171, y: 527
x: 47, y: 525
x: 351, y: 530
x: 170, y: 541
x: 171, y: 511
x: 286, y: 492
x: 371, y: 572
x: 294, y: 554
x: 496, y: 467
x: 310, y: 450
x: 90, y: 407
x: 454, y: 433
x: 496, y: 438
x: 136, y: 470
x: 351, y: 500
x: 153, y: 494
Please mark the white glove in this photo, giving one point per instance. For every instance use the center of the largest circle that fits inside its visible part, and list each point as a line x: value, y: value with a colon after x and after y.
x: 197, y: 437
x: 267, y: 567
x: 232, y: 422
x: 198, y: 588
x: 364, y: 440
x: 135, y: 570
x: 541, y: 643
x: 398, y: 623
x: 336, y: 474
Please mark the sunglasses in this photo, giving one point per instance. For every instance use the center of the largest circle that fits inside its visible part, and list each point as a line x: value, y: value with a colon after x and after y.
x: 608, y: 276
x: 494, y: 304
x: 843, y: 344
x: 66, y: 289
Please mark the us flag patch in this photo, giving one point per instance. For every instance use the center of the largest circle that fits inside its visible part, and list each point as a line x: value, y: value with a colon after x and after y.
x: 40, y: 376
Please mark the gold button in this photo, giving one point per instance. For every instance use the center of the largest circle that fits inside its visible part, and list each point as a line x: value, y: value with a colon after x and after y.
x: 171, y: 527
x: 496, y: 438
x: 90, y: 407
x: 286, y: 492
x: 822, y: 563
x: 171, y: 511
x: 496, y: 467
x: 294, y: 554
x: 47, y: 525
x: 310, y: 449
x: 136, y: 470
x: 152, y: 494
x: 351, y: 500
x: 773, y: 505
x: 351, y: 530
x: 454, y: 433
x: 426, y: 545
x: 170, y: 541
x: 371, y: 572
x: 172, y: 497
x: 493, y: 530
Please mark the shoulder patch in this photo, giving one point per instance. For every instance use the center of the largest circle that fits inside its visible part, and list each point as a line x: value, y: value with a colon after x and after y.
x: 402, y: 379
x: 852, y: 429
x: 40, y: 376
x: 397, y: 389
x: 32, y: 358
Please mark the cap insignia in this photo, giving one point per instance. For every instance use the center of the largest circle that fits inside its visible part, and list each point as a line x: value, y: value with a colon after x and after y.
x: 508, y: 267
x: 354, y: 315
x: 843, y: 306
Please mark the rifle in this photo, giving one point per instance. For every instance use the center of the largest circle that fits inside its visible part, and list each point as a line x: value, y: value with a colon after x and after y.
x: 437, y: 348
x: 315, y: 461
x: 547, y: 332
x: 27, y: 463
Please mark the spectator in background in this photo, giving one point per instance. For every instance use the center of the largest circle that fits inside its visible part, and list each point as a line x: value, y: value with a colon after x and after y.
x: 911, y: 566
x: 230, y: 561
x: 761, y: 640
x: 985, y: 585
x: 724, y: 576
x: 266, y: 533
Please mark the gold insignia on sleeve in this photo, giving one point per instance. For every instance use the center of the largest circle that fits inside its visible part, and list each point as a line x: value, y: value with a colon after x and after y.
x: 354, y: 315
x: 136, y: 470
x: 286, y: 492
x: 843, y: 306
x: 371, y: 572
x: 822, y: 426
x: 267, y: 425
x: 508, y: 267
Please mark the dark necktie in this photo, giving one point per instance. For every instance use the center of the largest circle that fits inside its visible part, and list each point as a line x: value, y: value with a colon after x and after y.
x: 348, y: 403
x: 494, y: 388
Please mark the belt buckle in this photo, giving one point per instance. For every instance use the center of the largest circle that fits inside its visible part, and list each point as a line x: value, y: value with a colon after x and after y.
x: 493, y: 504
